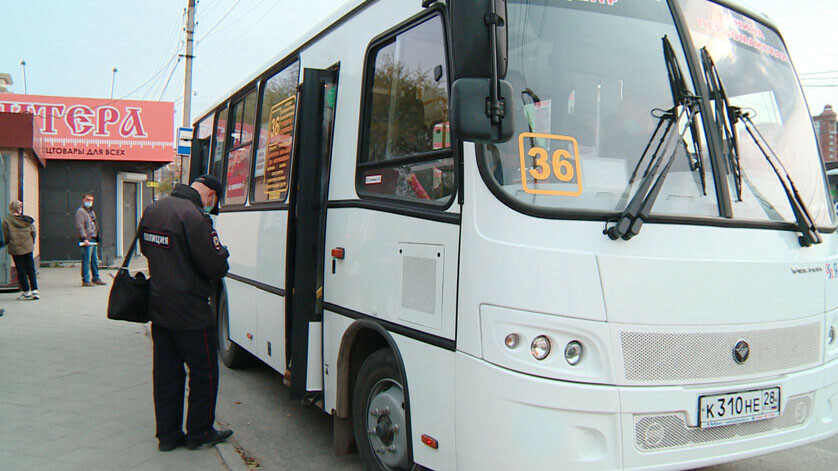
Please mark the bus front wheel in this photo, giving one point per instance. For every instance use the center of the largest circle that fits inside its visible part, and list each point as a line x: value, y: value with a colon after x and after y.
x: 231, y: 354
x: 379, y: 417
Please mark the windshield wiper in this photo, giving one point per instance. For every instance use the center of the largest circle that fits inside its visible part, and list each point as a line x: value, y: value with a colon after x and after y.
x: 726, y: 118
x: 638, y: 209
x: 805, y: 223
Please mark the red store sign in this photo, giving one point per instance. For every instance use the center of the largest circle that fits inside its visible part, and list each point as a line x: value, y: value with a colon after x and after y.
x: 99, y: 129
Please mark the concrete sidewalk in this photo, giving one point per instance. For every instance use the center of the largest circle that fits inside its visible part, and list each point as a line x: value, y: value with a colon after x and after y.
x: 76, y: 388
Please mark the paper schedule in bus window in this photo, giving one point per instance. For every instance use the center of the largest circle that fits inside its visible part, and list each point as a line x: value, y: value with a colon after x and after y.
x: 278, y: 156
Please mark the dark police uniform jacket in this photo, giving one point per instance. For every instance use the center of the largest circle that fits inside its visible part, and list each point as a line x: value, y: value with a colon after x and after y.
x: 184, y: 257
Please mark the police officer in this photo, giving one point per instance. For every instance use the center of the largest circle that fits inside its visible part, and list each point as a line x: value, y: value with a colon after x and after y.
x: 184, y: 258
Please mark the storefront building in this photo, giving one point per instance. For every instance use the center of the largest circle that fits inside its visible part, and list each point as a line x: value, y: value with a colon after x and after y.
x: 21, y: 160
x: 109, y: 148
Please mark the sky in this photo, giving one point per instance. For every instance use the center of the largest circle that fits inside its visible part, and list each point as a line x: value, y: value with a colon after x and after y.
x: 71, y: 47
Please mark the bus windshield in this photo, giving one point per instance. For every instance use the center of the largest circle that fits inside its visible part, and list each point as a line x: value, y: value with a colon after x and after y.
x: 589, y: 85
x: 759, y: 79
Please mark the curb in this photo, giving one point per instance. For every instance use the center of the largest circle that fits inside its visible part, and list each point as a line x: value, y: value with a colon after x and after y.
x: 230, y: 457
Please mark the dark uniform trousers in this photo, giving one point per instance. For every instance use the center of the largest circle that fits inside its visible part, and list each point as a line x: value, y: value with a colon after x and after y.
x: 173, y: 348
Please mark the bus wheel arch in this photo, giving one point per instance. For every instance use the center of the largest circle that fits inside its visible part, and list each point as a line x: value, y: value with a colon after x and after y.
x: 361, y: 341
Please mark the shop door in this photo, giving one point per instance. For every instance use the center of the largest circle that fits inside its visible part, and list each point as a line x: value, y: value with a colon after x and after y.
x: 130, y: 193
x: 307, y: 228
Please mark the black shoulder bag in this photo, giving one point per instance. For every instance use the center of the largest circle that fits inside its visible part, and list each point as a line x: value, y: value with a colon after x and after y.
x: 128, y: 300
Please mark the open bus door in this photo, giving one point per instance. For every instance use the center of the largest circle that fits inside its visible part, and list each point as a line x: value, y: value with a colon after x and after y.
x: 307, y: 230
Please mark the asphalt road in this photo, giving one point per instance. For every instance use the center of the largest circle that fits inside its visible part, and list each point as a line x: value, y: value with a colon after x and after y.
x: 279, y: 434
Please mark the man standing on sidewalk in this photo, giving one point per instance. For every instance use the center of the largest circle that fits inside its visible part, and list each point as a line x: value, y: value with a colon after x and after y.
x: 185, y: 258
x: 88, y: 231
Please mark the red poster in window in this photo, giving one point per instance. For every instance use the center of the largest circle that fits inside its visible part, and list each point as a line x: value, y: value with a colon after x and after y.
x: 238, y: 167
x: 99, y: 129
x: 236, y: 186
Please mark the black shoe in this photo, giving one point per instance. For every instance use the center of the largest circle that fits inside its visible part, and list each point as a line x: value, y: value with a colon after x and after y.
x: 171, y: 445
x: 211, y: 438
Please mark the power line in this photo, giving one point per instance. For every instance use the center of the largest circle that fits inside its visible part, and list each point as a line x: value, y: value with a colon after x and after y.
x: 207, y: 8
x: 172, y: 35
x: 138, y: 87
x: 169, y: 80
x: 232, y: 22
x: 218, y: 22
x: 235, y: 41
x: 161, y: 73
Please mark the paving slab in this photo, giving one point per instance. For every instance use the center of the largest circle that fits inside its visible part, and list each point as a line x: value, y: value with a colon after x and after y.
x: 76, y: 392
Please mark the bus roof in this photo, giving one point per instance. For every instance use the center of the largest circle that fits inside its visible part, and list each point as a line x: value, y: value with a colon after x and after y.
x: 350, y: 7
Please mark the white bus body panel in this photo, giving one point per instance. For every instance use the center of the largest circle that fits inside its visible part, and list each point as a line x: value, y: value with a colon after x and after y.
x: 314, y: 365
x: 258, y: 243
x: 369, y: 280
x: 536, y: 422
x: 710, y: 283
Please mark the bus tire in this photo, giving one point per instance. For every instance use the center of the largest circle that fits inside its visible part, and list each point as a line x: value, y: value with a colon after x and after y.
x: 232, y: 355
x: 379, y: 417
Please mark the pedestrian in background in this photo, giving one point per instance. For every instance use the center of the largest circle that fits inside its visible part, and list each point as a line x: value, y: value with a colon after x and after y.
x: 19, y: 233
x: 88, y: 231
x: 185, y: 259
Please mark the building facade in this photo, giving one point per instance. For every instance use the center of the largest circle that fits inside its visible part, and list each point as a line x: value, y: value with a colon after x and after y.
x: 109, y: 148
x: 21, y: 161
x: 826, y: 128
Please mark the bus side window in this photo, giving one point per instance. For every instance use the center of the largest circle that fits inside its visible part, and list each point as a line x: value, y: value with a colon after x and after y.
x: 217, y: 164
x: 276, y: 135
x: 201, y: 142
x: 240, y: 140
x: 406, y: 146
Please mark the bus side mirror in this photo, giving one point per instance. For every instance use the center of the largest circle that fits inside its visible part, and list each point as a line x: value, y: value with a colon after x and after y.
x: 481, y: 105
x: 471, y: 38
x: 470, y: 117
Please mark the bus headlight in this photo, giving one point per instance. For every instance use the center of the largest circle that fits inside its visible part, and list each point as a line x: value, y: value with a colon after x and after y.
x: 511, y: 341
x: 830, y: 337
x: 573, y: 352
x: 540, y: 347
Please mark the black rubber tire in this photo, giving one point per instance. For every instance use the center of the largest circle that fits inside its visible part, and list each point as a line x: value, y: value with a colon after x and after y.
x: 232, y: 355
x: 381, y: 365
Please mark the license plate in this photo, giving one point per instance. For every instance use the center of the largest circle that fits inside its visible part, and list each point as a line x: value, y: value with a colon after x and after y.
x: 738, y: 407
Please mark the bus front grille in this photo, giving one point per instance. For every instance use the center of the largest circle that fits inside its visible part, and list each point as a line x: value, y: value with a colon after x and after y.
x: 651, y: 357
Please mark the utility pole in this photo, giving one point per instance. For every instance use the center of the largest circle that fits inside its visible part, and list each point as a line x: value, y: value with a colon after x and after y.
x: 187, y: 81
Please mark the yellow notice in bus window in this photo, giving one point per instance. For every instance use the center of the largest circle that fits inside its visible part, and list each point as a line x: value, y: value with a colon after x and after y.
x: 549, y: 164
x: 278, y: 158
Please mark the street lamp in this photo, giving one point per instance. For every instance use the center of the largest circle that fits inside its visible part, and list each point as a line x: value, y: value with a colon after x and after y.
x: 113, y: 78
x: 23, y: 65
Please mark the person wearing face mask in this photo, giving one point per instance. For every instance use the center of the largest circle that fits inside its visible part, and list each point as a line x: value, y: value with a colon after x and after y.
x: 19, y: 232
x: 185, y: 260
x: 88, y: 231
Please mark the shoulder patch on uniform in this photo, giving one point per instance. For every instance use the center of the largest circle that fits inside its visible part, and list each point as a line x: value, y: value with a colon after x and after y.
x: 215, y: 242
x: 157, y: 239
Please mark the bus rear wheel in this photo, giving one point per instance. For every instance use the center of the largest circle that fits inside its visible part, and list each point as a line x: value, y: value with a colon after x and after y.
x: 379, y: 417
x: 232, y: 355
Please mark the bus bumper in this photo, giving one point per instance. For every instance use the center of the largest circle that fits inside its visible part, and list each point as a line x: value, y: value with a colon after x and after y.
x: 516, y: 421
